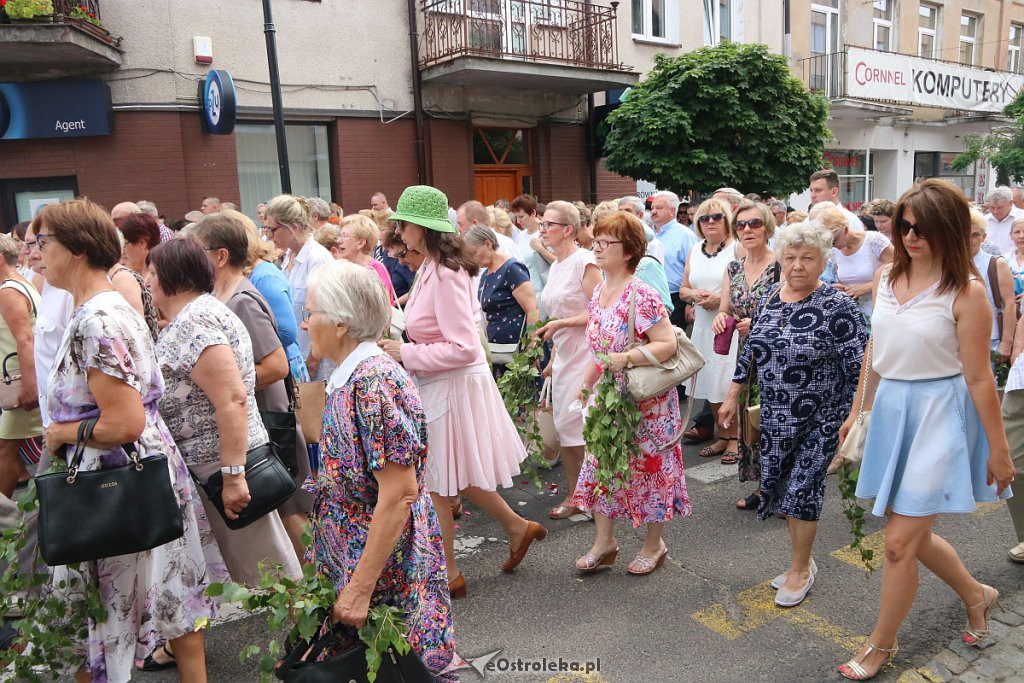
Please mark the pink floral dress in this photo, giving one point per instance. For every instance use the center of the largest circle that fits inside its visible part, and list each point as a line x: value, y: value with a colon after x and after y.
x: 656, y: 491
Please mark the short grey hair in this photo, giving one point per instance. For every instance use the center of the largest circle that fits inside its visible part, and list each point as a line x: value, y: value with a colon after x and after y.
x: 318, y: 208
x: 734, y: 195
x: 148, y: 207
x: 671, y: 197
x: 479, y: 234
x: 10, y: 250
x: 1001, y: 194
x: 636, y: 202
x: 351, y: 295
x: 778, y: 205
x: 806, y: 234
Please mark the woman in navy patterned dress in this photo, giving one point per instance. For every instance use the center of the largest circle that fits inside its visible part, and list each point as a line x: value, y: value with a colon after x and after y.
x: 806, y: 344
x: 375, y: 532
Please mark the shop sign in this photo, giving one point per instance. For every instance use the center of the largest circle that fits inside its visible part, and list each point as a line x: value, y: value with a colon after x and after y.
x: 911, y: 80
x: 218, y: 103
x: 846, y: 161
x: 55, y: 109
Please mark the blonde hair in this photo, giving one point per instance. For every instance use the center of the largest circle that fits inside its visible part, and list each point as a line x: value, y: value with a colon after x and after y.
x: 710, y: 206
x: 500, y: 220
x: 604, y: 209
x: 567, y: 214
x: 289, y: 211
x: 796, y: 217
x: 978, y: 220
x: 327, y: 236
x: 829, y: 215
x: 363, y: 228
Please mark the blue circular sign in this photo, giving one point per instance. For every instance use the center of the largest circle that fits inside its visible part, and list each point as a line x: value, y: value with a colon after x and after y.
x: 219, y: 103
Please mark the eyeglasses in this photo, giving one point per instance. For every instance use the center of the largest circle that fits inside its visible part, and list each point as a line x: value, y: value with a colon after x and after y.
x: 41, y: 239
x: 604, y: 244
x: 905, y: 226
x: 753, y: 224
x: 307, y: 313
x: 545, y: 225
x: 711, y: 218
x: 272, y: 229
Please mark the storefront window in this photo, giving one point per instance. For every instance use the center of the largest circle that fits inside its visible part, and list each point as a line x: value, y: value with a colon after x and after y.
x: 258, y: 175
x: 940, y: 165
x: 854, y: 171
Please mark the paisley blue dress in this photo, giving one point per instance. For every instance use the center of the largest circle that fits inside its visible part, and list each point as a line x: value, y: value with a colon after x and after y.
x: 807, y: 356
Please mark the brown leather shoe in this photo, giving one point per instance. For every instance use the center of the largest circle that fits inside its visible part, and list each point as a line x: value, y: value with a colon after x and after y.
x: 698, y: 434
x: 534, y: 532
x: 457, y: 588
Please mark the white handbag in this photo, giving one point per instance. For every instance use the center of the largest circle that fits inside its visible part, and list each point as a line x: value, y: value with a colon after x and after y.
x: 852, y: 449
x: 647, y: 381
x: 397, y: 328
x: 502, y: 354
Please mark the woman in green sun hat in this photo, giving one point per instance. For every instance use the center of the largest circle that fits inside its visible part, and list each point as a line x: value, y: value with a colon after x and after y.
x: 474, y: 446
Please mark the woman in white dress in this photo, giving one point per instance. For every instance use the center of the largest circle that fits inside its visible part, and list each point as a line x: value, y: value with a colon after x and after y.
x: 702, y: 287
x: 856, y: 255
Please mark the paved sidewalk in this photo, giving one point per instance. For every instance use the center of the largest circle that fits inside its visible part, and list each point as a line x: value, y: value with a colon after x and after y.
x: 1000, y: 659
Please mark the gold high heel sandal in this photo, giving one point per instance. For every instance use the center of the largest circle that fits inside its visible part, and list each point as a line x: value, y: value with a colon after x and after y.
x: 855, y: 672
x: 990, y: 598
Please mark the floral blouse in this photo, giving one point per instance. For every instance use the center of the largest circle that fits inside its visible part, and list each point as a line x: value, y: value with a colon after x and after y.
x: 743, y: 298
x: 188, y: 412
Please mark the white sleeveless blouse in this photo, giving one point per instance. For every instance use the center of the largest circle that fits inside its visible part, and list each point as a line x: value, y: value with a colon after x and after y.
x: 916, y: 340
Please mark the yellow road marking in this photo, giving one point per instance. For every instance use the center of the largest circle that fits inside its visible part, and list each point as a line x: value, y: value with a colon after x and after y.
x: 757, y: 605
x: 815, y: 624
x: 986, y: 508
x: 875, y: 542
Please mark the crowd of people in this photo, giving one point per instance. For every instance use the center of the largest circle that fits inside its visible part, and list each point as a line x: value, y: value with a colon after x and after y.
x: 186, y: 339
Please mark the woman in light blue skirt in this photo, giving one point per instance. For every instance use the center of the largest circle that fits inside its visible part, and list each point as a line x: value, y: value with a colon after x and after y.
x: 929, y: 448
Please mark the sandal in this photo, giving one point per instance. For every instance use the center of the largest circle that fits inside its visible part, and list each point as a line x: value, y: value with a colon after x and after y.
x: 855, y: 672
x: 973, y: 636
x: 150, y: 663
x: 592, y: 562
x: 730, y: 456
x: 563, y: 512
x: 751, y: 502
x: 710, y: 451
x: 643, y: 565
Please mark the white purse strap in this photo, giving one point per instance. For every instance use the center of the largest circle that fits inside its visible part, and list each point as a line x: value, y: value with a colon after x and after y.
x: 632, y: 334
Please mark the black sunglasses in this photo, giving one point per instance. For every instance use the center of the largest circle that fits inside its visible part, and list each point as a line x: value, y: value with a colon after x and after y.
x: 905, y: 226
x: 753, y: 223
x: 711, y: 217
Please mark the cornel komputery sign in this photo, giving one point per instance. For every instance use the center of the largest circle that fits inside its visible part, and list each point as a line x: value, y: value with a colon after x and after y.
x: 924, y: 82
x: 55, y: 109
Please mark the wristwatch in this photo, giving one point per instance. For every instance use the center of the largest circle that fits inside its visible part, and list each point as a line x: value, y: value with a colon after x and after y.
x: 629, y: 361
x: 233, y: 469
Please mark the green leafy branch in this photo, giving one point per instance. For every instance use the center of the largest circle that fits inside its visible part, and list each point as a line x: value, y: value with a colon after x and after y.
x: 847, y: 477
x: 609, y: 432
x: 518, y: 388
x: 1001, y: 370
x: 52, y: 615
x: 301, y: 605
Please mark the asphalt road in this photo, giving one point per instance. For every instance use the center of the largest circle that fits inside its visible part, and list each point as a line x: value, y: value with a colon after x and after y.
x: 707, y: 615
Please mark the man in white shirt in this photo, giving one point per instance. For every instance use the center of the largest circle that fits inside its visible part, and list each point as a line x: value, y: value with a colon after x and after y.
x: 825, y: 188
x: 474, y: 213
x: 1001, y: 216
x: 1018, y: 198
x: 378, y: 202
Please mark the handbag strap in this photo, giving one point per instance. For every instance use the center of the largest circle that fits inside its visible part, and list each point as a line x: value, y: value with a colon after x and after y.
x: 867, y: 376
x: 24, y: 290
x: 289, y: 383
x: 85, y: 430
x: 632, y: 334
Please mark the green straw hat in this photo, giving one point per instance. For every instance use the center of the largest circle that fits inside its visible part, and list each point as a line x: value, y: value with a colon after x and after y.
x: 425, y: 206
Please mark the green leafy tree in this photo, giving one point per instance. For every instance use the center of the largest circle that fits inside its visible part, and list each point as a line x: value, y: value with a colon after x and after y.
x: 729, y: 115
x: 1004, y: 146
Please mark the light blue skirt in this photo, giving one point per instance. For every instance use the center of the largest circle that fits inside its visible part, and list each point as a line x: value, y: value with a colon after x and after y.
x: 926, y: 451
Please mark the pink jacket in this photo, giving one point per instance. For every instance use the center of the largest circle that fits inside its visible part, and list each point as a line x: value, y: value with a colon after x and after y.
x: 442, y: 319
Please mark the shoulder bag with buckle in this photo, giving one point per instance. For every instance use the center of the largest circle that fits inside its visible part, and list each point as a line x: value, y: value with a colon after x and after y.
x: 269, y: 484
x: 92, y: 514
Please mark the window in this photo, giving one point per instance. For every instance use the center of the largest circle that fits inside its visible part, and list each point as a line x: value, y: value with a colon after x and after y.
x: 882, y: 24
x: 928, y: 22
x: 717, y: 21
x: 656, y: 20
x: 969, y: 34
x: 940, y: 165
x: 1013, y: 58
x: 308, y: 162
x: 824, y: 46
x: 501, y: 146
x: 854, y: 169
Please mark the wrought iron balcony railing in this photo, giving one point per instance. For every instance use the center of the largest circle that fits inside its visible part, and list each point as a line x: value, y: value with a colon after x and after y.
x: 568, y: 32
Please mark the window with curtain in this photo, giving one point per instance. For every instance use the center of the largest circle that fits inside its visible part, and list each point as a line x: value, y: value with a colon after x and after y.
x: 928, y: 21
x: 882, y: 24
x: 717, y: 21
x: 652, y: 19
x: 969, y: 34
x: 258, y: 176
x: 1013, y: 57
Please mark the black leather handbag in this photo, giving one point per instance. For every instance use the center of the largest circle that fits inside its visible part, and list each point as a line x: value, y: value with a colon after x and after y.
x: 282, y: 426
x: 92, y: 514
x: 269, y: 486
x: 349, y: 665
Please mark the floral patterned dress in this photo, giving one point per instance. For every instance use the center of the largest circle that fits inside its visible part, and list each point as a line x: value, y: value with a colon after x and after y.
x: 375, y: 418
x: 743, y: 299
x: 158, y: 594
x: 657, y: 486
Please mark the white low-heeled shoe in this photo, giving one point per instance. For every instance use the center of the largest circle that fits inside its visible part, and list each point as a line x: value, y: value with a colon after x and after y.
x: 785, y: 598
x: 780, y: 580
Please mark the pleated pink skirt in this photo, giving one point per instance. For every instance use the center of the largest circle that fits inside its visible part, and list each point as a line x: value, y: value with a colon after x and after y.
x: 471, y: 439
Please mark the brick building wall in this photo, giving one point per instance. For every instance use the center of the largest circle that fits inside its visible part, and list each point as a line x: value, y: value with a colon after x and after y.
x: 612, y: 185
x: 451, y: 151
x: 560, y: 162
x: 370, y: 157
x: 161, y: 156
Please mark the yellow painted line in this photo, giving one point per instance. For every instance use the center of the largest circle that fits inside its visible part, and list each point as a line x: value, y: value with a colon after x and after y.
x: 757, y: 605
x: 875, y: 542
x: 812, y: 623
x: 986, y: 508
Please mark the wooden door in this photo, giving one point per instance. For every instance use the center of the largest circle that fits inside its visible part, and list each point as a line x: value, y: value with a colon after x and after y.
x: 492, y: 185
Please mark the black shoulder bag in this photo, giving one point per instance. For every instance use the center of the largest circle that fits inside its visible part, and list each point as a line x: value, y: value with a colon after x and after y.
x: 281, y: 426
x: 269, y: 485
x: 92, y: 514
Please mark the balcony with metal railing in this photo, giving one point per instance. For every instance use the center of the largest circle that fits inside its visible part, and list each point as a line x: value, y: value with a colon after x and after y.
x: 550, y: 45
x: 70, y: 42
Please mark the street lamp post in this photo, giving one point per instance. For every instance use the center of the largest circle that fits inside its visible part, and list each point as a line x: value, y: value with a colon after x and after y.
x: 275, y: 96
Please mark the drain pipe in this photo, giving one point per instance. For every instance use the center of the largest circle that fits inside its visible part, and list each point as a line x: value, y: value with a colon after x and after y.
x: 423, y: 174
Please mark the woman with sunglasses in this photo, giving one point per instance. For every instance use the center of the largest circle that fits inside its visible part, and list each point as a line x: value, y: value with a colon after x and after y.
x: 571, y: 282
x: 702, y: 286
x: 936, y: 442
x: 747, y: 280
